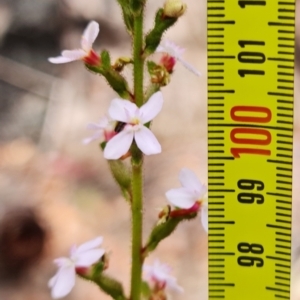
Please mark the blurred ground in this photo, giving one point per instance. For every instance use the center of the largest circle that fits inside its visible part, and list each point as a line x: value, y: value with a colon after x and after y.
x: 44, y: 110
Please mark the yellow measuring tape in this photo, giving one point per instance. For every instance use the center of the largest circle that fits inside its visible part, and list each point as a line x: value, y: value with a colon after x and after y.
x: 250, y: 139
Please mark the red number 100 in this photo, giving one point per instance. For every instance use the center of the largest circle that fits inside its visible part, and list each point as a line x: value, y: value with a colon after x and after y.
x: 263, y: 115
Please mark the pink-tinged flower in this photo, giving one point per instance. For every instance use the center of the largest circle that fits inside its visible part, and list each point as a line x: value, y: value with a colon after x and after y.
x: 104, y: 129
x: 81, y: 257
x: 86, y: 53
x: 190, y: 195
x: 192, y: 190
x: 172, y: 53
x: 134, y: 118
x: 159, y: 278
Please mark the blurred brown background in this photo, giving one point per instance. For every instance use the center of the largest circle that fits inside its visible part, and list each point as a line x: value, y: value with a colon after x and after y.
x: 58, y: 191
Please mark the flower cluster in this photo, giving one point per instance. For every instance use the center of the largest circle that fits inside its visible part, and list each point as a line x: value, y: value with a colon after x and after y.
x: 124, y: 128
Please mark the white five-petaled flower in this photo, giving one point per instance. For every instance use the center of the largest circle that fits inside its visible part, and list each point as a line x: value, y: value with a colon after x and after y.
x: 176, y: 52
x: 159, y: 276
x: 192, y: 191
x: 135, y: 118
x: 86, y: 53
x: 103, y: 129
x: 80, y: 257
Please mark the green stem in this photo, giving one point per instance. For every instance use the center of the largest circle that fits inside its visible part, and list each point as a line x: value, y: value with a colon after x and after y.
x: 138, y: 70
x: 137, y: 166
x: 137, y: 219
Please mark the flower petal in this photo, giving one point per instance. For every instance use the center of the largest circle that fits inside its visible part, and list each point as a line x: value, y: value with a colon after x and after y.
x: 94, y: 126
x: 61, y: 261
x: 204, y: 217
x: 68, y: 56
x: 189, y: 67
x: 74, y: 54
x: 59, y: 60
x: 89, y: 35
x: 151, y: 108
x: 90, y: 245
x: 189, y: 180
x: 160, y: 270
x: 147, y: 141
x: 52, y: 280
x: 172, y: 285
x: 122, y: 110
x: 171, y: 48
x: 92, y: 138
x: 102, y: 124
x: 181, y: 197
x: 160, y: 48
x: 89, y: 257
x: 118, y: 145
x: 63, y: 282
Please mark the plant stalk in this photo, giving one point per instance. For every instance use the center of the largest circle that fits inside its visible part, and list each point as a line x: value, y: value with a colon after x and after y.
x: 137, y: 219
x: 138, y: 60
x: 137, y: 167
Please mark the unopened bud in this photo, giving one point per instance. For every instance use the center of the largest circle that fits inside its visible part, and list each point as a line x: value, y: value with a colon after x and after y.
x: 164, y: 214
x: 168, y: 62
x: 174, y: 8
x: 121, y: 63
x: 161, y: 77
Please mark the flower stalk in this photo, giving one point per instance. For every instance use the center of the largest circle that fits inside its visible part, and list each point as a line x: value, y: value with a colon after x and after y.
x: 137, y: 228
x: 137, y: 165
x: 138, y: 66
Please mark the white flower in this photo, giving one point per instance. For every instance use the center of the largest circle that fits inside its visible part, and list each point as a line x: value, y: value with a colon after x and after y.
x: 192, y: 191
x: 159, y: 275
x: 86, y: 52
x: 104, y: 129
x: 135, y: 118
x: 80, y: 257
x: 175, y: 51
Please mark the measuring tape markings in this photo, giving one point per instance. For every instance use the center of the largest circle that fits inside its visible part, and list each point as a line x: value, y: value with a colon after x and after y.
x: 255, y: 244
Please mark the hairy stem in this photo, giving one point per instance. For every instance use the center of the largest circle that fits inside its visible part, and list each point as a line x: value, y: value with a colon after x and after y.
x: 137, y: 166
x: 137, y: 219
x: 138, y: 64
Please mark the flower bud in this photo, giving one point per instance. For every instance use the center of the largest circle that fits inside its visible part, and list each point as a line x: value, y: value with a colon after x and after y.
x: 158, y: 73
x: 168, y: 62
x: 174, y: 8
x: 164, y: 214
x: 121, y: 63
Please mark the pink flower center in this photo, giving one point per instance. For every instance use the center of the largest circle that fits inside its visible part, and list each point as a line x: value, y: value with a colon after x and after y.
x: 81, y: 270
x: 92, y: 58
x: 168, y: 62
